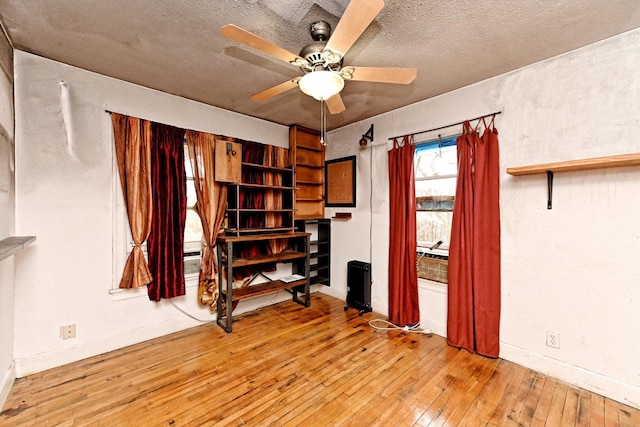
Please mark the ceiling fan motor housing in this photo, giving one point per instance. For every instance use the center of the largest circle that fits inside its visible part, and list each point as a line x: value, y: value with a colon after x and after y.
x: 320, y: 30
x: 313, y: 52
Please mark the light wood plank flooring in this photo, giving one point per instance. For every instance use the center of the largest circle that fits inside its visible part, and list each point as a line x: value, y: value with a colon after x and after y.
x: 287, y: 365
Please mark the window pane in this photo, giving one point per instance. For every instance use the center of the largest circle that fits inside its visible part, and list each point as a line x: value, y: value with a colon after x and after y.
x: 193, y: 227
x: 187, y: 163
x: 433, y: 227
x: 436, y: 187
x: 436, y: 162
x: 435, y: 170
x: 191, y: 194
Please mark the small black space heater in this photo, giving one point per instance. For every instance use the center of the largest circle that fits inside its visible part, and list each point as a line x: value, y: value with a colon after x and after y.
x: 359, y: 286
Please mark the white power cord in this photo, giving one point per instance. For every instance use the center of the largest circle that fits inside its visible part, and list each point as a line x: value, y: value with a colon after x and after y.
x: 181, y: 310
x: 392, y: 327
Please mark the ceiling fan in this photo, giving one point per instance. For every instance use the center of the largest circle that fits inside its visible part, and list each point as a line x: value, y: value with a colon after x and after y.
x: 322, y: 60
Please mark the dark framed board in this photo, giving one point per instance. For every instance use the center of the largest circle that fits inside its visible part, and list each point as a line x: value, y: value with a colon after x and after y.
x: 340, y: 182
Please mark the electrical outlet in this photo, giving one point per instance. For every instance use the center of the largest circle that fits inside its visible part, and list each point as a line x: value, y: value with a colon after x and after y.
x: 553, y: 339
x: 68, y: 331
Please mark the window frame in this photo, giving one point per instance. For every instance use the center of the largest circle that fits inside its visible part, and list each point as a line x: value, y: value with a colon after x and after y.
x: 433, y: 266
x: 122, y: 243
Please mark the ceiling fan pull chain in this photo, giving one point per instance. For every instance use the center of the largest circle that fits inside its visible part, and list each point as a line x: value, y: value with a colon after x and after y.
x: 323, y: 122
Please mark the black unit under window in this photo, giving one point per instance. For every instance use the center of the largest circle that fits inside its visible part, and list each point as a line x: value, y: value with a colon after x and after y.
x: 320, y: 248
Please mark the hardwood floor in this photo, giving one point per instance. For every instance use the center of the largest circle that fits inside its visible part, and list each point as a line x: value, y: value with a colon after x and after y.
x: 287, y: 365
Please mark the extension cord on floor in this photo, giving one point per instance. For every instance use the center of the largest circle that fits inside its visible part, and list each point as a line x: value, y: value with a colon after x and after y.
x: 407, y: 328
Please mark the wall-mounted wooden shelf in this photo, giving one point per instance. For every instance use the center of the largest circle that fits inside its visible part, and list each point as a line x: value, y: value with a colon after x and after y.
x: 342, y: 215
x: 578, y: 165
x: 14, y: 244
x: 621, y: 160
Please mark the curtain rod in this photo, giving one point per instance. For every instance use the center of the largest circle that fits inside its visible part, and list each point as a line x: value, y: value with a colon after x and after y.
x: 447, y: 126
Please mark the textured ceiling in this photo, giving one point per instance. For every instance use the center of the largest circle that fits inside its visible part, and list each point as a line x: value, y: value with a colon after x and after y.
x: 175, y: 45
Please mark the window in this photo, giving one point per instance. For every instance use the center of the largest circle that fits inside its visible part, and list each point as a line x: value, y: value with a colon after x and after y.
x: 435, y: 165
x: 192, y: 234
x: 193, y: 226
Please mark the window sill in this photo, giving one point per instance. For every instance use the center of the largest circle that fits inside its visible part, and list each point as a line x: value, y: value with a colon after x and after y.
x: 118, y: 294
x: 430, y: 285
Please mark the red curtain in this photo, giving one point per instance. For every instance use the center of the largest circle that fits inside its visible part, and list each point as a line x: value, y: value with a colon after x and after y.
x: 166, y: 240
x: 403, y: 278
x: 473, y: 316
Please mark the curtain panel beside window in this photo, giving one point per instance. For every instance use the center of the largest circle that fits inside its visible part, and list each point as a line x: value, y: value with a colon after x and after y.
x: 404, y: 308
x: 132, y: 138
x: 473, y: 314
x: 211, y: 206
x: 166, y: 239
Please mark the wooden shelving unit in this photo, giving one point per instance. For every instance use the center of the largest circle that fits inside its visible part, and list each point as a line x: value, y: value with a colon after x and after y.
x: 241, y: 220
x: 549, y: 169
x: 307, y: 156
x: 297, y: 253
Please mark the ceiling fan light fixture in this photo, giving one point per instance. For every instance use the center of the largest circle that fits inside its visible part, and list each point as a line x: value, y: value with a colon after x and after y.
x: 321, y: 84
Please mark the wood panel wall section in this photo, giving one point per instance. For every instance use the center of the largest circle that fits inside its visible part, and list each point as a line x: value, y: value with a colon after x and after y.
x: 307, y: 158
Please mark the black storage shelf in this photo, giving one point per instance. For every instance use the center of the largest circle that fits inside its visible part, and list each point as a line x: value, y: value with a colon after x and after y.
x: 320, y: 252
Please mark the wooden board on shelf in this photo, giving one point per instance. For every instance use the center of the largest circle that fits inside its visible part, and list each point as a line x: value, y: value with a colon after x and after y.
x: 309, y: 158
x: 310, y: 174
x: 262, y: 289
x: 578, y: 165
x: 309, y: 209
x: 263, y: 259
x: 307, y: 192
x: 228, y: 161
x: 306, y: 138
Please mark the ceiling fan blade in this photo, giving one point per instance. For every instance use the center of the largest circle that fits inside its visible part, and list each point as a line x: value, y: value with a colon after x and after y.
x: 276, y: 90
x: 396, y: 75
x: 335, y: 104
x: 240, y: 35
x: 356, y: 18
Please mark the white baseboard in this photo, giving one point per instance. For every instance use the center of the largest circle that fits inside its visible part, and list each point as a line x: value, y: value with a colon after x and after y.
x: 333, y: 292
x: 82, y: 350
x: 58, y: 357
x: 588, y: 380
x: 8, y: 379
x: 437, y: 328
x: 376, y: 306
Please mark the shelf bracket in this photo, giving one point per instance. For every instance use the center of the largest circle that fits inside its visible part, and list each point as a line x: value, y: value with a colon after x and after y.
x: 549, y: 188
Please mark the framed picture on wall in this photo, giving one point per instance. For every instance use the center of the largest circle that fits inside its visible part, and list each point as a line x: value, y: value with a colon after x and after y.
x: 340, y: 182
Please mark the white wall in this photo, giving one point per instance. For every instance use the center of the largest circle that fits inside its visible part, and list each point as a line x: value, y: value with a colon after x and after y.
x: 67, y: 194
x: 574, y: 269
x: 7, y: 218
